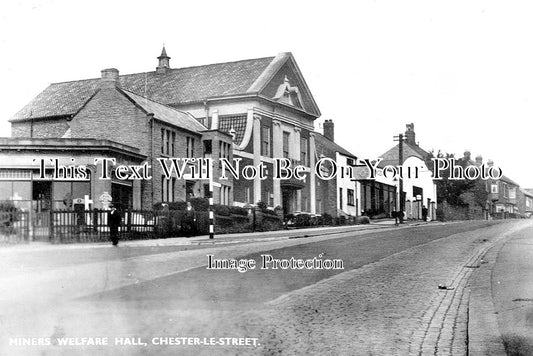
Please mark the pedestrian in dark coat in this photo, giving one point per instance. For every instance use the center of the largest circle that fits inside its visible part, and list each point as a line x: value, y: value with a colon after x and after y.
x: 114, y: 219
x: 424, y: 213
x: 189, y: 221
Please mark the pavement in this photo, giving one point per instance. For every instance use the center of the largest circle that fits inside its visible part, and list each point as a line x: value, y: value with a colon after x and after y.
x: 501, y: 296
x: 257, y: 236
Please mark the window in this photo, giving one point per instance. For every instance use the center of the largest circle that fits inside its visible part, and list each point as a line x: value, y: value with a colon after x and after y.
x: 208, y: 147
x: 340, y: 198
x: 265, y: 141
x: 350, y: 197
x: 286, y: 137
x: 167, y: 146
x: 303, y: 150
x: 168, y: 189
x: 173, y: 144
x: 224, y: 195
x: 223, y: 150
x: 173, y: 193
x: 190, y: 147
x: 247, y: 195
x: 162, y: 140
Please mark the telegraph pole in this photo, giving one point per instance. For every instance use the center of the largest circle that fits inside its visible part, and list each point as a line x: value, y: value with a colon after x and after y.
x: 399, y: 138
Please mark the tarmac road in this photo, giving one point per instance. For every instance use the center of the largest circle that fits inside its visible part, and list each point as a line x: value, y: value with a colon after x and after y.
x: 385, y: 301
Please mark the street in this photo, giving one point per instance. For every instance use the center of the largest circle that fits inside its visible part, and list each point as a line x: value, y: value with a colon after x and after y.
x: 402, y: 291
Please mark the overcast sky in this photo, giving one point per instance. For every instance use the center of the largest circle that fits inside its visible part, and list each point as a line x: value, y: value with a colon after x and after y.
x: 461, y: 71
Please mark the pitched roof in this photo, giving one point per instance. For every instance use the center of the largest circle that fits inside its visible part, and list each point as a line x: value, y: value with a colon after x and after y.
x: 166, y: 113
x: 193, y: 84
x: 174, y: 87
x: 59, y: 99
x: 391, y: 157
x: 323, y: 140
x: 506, y: 179
x: 182, y: 85
x: 528, y: 192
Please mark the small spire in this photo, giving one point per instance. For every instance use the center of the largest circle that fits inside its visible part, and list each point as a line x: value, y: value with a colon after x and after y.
x: 164, y: 61
x: 163, y: 53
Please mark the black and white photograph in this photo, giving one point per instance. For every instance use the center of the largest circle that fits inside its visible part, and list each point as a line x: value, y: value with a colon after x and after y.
x: 266, y: 178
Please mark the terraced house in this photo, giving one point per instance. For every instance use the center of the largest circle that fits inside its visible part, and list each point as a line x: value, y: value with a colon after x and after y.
x: 255, y: 110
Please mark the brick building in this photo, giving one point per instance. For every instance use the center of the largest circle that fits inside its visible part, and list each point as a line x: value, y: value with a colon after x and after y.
x: 255, y: 110
x: 338, y: 196
x: 102, y: 110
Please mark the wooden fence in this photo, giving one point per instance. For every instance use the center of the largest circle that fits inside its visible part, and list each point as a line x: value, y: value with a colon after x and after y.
x: 68, y: 226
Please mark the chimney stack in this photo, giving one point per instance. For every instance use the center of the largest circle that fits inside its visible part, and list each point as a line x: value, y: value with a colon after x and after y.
x: 410, y: 134
x: 109, y: 78
x: 329, y: 130
x: 164, y: 62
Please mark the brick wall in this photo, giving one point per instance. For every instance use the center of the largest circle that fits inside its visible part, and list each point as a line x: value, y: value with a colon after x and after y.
x: 241, y: 185
x: 180, y: 151
x: 452, y: 212
x: 43, y: 128
x: 110, y: 115
x: 326, y: 190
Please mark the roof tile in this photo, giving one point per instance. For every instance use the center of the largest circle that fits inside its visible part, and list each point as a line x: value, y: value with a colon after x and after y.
x: 182, y: 85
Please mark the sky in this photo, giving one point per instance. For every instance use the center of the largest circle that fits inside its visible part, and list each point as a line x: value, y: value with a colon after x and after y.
x: 461, y: 71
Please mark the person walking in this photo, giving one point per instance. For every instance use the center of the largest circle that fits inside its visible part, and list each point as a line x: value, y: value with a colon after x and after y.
x: 189, y: 220
x: 424, y: 213
x: 114, y: 219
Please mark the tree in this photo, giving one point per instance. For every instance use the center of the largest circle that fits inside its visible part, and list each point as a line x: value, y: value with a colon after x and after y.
x: 457, y: 192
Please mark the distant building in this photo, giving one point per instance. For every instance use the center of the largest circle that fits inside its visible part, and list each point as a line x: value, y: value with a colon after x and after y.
x: 419, y: 189
x: 338, y: 196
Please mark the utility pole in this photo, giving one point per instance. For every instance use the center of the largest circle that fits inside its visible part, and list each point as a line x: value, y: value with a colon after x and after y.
x: 399, y: 138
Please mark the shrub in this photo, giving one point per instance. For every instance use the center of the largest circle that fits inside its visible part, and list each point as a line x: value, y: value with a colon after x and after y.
x: 222, y: 210
x: 200, y: 204
x: 270, y: 212
x: 327, y: 219
x: 303, y: 220
x: 262, y: 205
x: 177, y: 205
x: 362, y: 220
x: 237, y: 210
